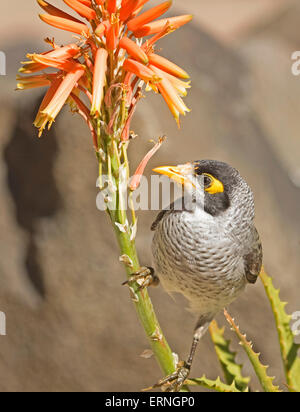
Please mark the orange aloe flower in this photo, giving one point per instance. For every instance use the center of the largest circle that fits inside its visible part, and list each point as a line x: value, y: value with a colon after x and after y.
x: 49, y: 113
x: 112, y: 33
x: 112, y: 6
x: 143, y: 72
x: 66, y: 24
x: 31, y: 82
x: 81, y: 9
x: 179, y: 85
x: 60, y: 56
x: 99, y: 81
x: 31, y: 67
x: 62, y: 64
x: 170, y: 95
x: 136, y: 179
x: 40, y: 120
x: 102, y: 28
x: 134, y: 50
x: 158, y: 25
x: 105, y: 57
x: 128, y: 7
x: 149, y: 16
x: 167, y: 66
x: 66, y: 52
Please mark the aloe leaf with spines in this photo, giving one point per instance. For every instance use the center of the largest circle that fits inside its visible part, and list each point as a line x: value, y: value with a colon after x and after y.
x: 261, y: 370
x: 216, y: 385
x: 289, y: 349
x: 231, y: 369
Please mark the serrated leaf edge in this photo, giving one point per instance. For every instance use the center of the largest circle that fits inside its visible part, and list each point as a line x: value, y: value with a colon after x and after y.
x: 260, y: 369
x: 228, y: 362
x: 216, y: 385
x: 281, y: 318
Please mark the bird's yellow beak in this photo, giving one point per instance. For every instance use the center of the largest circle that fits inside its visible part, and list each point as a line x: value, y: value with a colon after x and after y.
x: 179, y: 174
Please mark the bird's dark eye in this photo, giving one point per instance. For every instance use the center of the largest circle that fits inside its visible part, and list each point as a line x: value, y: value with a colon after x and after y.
x: 207, y: 181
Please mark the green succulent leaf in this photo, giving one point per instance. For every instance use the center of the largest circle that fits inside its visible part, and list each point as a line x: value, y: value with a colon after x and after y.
x: 260, y: 369
x: 289, y: 349
x: 216, y: 385
x: 232, y: 370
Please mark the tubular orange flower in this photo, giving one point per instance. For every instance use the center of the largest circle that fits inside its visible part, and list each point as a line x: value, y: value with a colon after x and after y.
x: 167, y: 66
x: 169, y: 93
x: 62, y: 53
x: 111, y: 6
x: 41, y: 61
x: 128, y: 6
x: 136, y: 179
x: 112, y: 33
x: 99, y: 81
x: 31, y: 67
x: 102, y: 28
x: 149, y: 16
x: 65, y: 24
x: 106, y: 35
x: 54, y: 11
x: 31, y: 82
x: 148, y: 46
x: 50, y: 112
x: 158, y: 25
x: 179, y: 85
x: 134, y: 50
x: 143, y: 72
x: 81, y: 9
x: 61, y: 64
x: 40, y: 120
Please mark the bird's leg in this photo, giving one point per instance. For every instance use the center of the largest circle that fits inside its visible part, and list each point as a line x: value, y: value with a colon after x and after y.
x: 175, y: 381
x: 145, y: 277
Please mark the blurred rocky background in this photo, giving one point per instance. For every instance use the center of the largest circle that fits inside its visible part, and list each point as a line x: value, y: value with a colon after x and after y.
x: 70, y: 325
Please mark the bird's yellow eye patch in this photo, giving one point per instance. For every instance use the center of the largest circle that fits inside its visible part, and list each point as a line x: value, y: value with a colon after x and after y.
x: 212, y: 185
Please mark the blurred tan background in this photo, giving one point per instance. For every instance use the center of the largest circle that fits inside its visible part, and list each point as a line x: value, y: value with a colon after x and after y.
x: 70, y: 325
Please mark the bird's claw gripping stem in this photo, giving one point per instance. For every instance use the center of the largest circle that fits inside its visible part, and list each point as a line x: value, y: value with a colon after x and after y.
x: 175, y: 381
x: 145, y: 277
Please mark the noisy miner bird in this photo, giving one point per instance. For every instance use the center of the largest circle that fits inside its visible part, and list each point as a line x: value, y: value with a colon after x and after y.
x: 205, y: 245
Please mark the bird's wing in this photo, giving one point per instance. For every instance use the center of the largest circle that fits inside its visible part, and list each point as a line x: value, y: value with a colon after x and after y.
x: 159, y: 219
x: 162, y: 214
x: 253, y: 260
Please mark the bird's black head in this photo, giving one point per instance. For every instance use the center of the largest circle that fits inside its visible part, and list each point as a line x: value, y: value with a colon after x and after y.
x: 219, y: 180
x: 216, y: 179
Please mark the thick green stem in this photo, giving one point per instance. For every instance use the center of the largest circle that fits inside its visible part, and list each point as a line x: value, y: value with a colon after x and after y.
x: 145, y: 308
x: 115, y: 164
